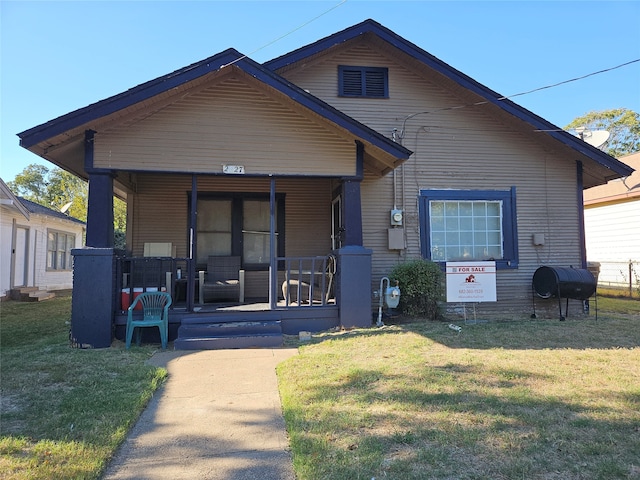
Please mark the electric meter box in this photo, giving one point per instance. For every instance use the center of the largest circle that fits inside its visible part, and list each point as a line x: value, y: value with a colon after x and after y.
x: 396, y: 217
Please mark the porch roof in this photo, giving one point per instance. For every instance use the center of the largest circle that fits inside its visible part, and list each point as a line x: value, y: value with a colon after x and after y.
x: 599, y: 167
x: 61, y: 140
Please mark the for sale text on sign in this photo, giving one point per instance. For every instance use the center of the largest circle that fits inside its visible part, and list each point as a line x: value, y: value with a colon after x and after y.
x: 471, y: 282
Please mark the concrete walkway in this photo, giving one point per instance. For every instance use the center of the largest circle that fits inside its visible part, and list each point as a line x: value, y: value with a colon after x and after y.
x: 217, y: 417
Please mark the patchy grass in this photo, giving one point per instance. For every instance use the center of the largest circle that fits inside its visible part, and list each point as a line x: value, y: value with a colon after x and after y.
x: 64, y: 411
x: 503, y: 400
x: 618, y: 305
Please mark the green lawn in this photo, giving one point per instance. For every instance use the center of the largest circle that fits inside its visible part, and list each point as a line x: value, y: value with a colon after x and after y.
x: 64, y: 411
x: 529, y: 399
x: 534, y: 399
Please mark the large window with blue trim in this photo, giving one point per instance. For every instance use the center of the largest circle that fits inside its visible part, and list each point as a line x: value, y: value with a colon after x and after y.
x: 469, y: 225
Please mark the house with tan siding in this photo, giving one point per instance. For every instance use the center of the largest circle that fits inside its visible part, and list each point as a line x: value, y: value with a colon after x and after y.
x: 321, y: 169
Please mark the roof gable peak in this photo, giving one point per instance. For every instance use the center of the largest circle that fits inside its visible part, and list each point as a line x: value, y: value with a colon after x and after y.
x: 537, y: 123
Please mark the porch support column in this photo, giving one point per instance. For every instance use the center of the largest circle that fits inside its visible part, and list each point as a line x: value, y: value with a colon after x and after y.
x: 100, y: 200
x: 193, y: 245
x: 352, y: 204
x: 94, y: 271
x: 273, y: 264
x: 354, y: 261
x: 580, y: 201
x: 94, y: 297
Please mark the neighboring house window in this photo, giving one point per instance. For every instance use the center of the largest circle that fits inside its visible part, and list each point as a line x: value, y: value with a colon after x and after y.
x: 370, y: 82
x: 59, y: 245
x: 238, y: 225
x: 473, y: 225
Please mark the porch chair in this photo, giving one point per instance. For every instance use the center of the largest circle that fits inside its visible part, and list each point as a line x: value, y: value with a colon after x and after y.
x: 223, y: 280
x: 155, y: 313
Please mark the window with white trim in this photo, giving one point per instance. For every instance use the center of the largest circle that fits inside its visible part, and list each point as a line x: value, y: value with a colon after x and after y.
x: 367, y: 82
x: 59, y: 245
x: 474, y: 225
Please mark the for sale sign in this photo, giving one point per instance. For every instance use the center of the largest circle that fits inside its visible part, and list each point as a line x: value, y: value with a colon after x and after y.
x: 471, y: 282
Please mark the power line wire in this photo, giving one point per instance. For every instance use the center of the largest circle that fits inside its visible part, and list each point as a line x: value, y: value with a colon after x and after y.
x: 286, y: 34
x: 571, y: 80
x: 507, y: 97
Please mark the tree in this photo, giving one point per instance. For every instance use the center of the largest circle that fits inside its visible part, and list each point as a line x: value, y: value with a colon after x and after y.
x: 53, y: 189
x: 623, y: 125
x: 56, y: 187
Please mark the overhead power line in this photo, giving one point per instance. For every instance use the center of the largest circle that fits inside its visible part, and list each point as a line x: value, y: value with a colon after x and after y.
x: 507, y: 97
x: 571, y: 80
x: 286, y: 34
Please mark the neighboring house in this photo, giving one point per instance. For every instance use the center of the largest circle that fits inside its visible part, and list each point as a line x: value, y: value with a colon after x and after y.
x: 361, y: 144
x: 36, y: 241
x: 612, y: 227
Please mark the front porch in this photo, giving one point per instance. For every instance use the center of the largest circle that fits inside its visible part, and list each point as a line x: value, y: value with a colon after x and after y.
x: 95, y: 322
x: 309, y: 304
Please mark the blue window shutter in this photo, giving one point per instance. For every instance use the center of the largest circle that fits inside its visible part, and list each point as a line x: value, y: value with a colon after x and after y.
x: 351, y: 83
x: 375, y: 83
x: 366, y: 82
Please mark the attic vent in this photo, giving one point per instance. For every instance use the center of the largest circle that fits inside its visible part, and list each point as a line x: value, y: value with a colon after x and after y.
x: 369, y: 82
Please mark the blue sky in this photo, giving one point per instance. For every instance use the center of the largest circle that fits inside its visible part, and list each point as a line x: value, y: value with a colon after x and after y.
x: 59, y: 56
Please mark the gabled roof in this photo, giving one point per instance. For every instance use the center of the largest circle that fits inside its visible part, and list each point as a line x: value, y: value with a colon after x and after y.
x: 618, y: 169
x: 55, y: 132
x: 38, y: 209
x: 8, y: 199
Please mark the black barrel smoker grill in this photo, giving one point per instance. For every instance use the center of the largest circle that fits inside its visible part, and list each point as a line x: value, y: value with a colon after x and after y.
x: 575, y: 283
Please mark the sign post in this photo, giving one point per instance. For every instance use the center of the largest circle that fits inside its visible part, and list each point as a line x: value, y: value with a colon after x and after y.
x: 471, y: 282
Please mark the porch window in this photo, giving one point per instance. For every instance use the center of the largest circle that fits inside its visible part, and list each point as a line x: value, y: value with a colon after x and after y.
x: 214, y: 228
x: 238, y: 225
x: 255, y: 232
x: 59, y: 245
x: 369, y: 82
x: 469, y: 225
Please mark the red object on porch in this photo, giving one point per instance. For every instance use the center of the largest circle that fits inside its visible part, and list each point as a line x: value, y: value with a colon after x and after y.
x: 125, y: 298
x: 136, y: 294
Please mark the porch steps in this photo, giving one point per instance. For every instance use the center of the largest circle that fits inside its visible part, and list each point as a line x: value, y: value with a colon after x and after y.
x: 229, y: 331
x: 30, y: 294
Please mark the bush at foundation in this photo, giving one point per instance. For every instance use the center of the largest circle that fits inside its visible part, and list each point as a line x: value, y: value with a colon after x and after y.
x: 422, y: 288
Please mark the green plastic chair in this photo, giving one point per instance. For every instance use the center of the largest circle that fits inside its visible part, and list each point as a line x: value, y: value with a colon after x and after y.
x: 155, y: 313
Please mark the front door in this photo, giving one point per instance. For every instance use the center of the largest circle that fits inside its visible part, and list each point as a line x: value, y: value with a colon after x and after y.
x: 20, y: 257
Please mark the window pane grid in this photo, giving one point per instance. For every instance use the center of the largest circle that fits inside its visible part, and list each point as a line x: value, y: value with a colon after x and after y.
x: 59, y: 247
x: 236, y: 226
x: 466, y: 230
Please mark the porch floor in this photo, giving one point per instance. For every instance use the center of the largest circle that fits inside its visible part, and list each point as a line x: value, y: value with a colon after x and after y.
x: 293, y: 318
x: 248, y: 306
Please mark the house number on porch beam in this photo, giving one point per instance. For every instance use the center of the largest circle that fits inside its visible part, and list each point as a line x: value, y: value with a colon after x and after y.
x: 233, y: 169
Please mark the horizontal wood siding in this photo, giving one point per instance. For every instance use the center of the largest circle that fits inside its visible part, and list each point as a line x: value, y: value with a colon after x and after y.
x: 227, y: 123
x: 613, y: 232
x: 455, y: 148
x: 161, y: 214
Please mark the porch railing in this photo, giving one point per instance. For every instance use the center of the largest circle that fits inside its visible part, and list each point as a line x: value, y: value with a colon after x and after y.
x: 135, y: 275
x: 308, y: 281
